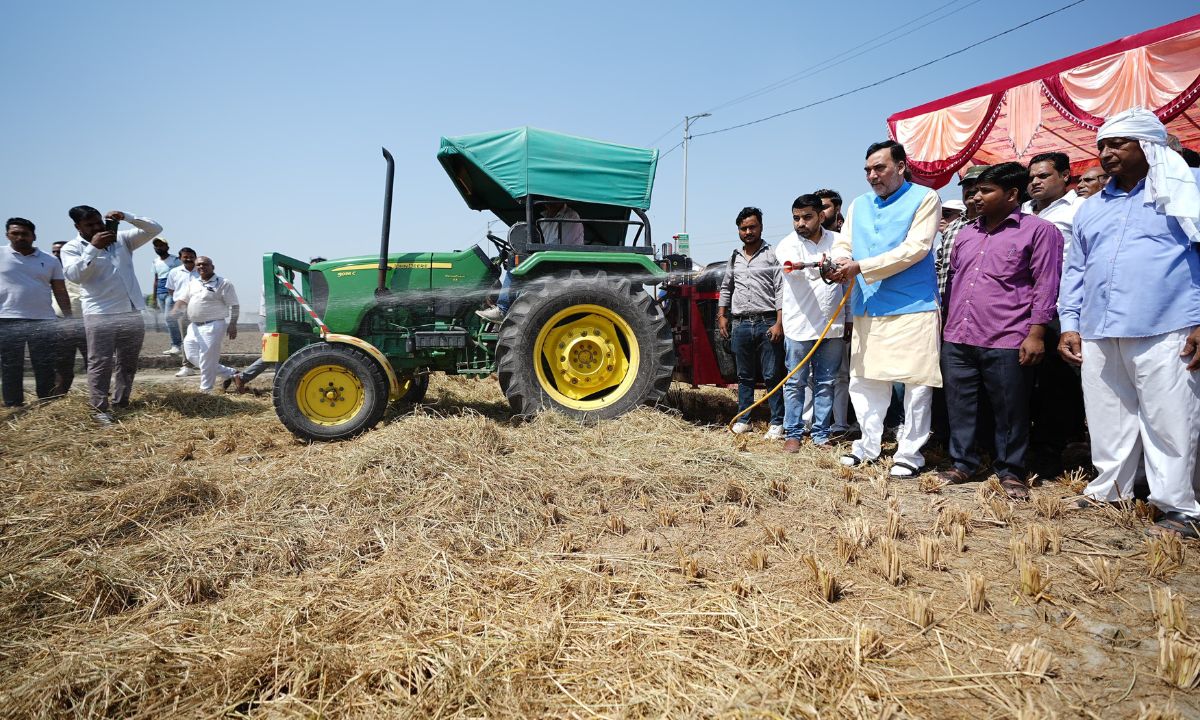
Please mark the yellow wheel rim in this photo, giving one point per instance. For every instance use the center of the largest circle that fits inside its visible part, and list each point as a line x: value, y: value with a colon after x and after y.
x: 329, y: 395
x: 586, y: 357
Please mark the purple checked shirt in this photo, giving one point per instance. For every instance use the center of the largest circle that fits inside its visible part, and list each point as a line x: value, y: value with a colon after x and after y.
x: 1003, y: 281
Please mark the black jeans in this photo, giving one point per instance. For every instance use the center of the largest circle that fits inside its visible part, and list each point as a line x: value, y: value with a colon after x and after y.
x: 1056, y: 405
x: 968, y: 369
x: 72, y: 339
x: 15, y: 336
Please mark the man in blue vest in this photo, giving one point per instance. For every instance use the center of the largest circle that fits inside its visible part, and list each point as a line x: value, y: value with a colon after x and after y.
x: 884, y: 249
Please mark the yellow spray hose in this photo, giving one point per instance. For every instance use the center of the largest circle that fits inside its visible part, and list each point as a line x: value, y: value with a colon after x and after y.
x: 799, y: 365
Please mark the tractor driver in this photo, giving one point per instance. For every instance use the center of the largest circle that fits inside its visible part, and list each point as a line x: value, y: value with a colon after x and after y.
x: 562, y: 231
x: 566, y: 228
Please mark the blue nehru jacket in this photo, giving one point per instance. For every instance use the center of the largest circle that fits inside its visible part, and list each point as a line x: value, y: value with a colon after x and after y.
x: 881, y: 225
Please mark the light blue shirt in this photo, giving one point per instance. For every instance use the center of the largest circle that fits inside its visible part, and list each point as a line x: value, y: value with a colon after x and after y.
x: 107, y: 276
x: 1131, y: 271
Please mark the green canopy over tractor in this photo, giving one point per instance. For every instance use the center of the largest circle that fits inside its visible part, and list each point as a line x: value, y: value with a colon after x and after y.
x: 497, y: 170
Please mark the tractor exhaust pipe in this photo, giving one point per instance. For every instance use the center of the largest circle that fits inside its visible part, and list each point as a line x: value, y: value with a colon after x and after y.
x: 382, y: 288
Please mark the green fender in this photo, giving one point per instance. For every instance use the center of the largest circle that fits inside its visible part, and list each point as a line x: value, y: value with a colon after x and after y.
x: 545, y: 260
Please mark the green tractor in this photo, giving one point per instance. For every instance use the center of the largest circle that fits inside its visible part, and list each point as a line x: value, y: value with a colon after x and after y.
x: 582, y: 335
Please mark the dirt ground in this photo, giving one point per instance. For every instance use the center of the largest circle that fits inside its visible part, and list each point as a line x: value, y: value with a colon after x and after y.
x: 196, y: 561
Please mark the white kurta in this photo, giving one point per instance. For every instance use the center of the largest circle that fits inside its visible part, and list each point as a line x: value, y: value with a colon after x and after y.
x: 896, y: 348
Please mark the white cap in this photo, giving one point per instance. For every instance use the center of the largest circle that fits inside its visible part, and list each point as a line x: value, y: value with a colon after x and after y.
x: 954, y: 205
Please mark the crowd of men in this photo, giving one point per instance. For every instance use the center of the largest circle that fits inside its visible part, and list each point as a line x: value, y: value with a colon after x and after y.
x: 1041, y: 309
x: 1043, y: 314
x: 100, y: 306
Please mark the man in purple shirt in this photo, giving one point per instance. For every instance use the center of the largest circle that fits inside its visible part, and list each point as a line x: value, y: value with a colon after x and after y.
x: 1004, y: 273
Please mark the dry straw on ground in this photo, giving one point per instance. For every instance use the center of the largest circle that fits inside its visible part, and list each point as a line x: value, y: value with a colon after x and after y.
x: 195, y: 561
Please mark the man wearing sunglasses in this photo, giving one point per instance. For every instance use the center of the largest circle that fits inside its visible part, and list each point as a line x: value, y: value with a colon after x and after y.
x: 211, y: 304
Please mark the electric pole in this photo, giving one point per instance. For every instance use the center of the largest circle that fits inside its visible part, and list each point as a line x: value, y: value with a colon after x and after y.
x: 687, y: 126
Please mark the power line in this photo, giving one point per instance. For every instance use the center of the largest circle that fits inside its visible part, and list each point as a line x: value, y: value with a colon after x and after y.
x: 891, y: 77
x: 660, y: 137
x: 892, y: 34
x: 674, y: 147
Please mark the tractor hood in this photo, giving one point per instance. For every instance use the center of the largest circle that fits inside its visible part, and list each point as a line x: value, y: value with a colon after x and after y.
x: 497, y: 170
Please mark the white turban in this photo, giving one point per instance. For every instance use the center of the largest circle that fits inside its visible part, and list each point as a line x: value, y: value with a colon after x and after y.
x: 1170, y: 184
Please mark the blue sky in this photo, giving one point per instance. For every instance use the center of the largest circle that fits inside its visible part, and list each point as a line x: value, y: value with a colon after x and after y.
x: 251, y: 127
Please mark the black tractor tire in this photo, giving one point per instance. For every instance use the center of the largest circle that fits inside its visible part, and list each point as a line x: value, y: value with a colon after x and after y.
x: 530, y: 382
x: 416, y: 391
x: 321, y: 373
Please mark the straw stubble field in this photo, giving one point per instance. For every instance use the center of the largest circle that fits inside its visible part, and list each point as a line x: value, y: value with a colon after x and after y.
x: 196, y: 561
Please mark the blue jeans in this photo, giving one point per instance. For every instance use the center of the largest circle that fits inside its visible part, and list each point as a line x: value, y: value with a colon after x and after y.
x: 824, y: 366
x: 505, y: 300
x: 755, y: 353
x: 165, y: 303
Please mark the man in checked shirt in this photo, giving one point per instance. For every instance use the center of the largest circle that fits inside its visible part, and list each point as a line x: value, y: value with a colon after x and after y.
x: 750, y: 295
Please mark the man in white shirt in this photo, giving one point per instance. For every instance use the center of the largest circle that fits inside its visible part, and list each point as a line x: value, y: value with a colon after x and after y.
x: 807, y: 303
x: 163, y: 264
x: 101, y: 261
x: 1056, y: 402
x: 28, y: 277
x: 1050, y: 200
x: 177, y: 278
x: 211, y: 304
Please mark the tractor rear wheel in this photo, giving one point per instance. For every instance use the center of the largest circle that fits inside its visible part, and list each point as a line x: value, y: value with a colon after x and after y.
x: 330, y: 392
x: 589, y: 346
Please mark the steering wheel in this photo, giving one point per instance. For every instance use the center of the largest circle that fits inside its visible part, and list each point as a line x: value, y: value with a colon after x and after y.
x: 502, y: 245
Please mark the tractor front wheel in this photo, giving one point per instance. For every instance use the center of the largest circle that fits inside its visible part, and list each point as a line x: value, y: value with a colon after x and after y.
x: 330, y: 392
x: 591, y: 347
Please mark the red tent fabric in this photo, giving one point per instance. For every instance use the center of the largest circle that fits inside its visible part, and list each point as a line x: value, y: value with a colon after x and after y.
x: 1058, y: 106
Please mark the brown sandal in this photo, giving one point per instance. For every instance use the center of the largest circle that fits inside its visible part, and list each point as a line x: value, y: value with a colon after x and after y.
x: 1015, y: 487
x: 953, y: 476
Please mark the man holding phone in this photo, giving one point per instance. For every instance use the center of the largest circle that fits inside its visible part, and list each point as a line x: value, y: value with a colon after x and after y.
x: 100, y: 260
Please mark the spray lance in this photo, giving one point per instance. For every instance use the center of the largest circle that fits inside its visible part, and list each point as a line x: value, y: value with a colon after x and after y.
x: 827, y: 268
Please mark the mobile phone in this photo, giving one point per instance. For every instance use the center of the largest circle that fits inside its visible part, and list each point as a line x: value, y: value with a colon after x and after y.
x: 111, y: 224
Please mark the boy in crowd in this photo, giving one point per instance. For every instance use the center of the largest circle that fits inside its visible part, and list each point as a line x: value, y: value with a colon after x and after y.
x: 1004, y: 274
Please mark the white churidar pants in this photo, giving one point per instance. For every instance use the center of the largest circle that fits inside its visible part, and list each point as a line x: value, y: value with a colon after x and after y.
x: 871, y: 399
x: 1143, y: 405
x: 202, y: 347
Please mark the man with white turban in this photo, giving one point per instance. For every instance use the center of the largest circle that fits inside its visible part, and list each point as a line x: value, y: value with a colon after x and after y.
x: 1130, y: 309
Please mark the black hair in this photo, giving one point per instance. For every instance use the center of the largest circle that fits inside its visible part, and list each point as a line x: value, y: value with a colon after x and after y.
x: 1062, y: 163
x: 1191, y: 157
x: 79, y: 212
x: 747, y: 212
x: 809, y: 200
x: 897, y: 150
x: 1007, y: 175
x: 827, y: 194
x: 184, y: 249
x: 20, y: 222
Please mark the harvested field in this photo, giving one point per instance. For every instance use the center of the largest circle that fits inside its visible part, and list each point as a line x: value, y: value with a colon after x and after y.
x: 196, y: 561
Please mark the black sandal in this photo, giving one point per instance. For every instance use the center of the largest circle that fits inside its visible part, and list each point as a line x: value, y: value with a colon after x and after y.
x: 854, y: 460
x: 912, y: 471
x: 1177, y: 523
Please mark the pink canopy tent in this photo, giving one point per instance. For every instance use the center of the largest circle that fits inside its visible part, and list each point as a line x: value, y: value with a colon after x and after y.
x: 1058, y: 106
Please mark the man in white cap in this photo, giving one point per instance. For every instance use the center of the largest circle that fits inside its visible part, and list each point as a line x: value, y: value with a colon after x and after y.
x: 951, y: 211
x: 1130, y: 310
